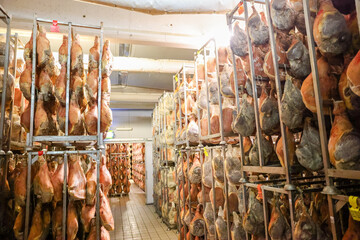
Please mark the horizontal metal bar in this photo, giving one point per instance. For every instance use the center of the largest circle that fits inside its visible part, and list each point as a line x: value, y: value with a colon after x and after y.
x: 347, y: 174
x: 264, y: 169
x: 256, y: 1
x: 66, y: 151
x: 252, y: 185
x: 274, y: 189
x: 67, y: 24
x: 238, y: 18
x: 205, y: 45
x: 208, y: 137
x: 5, y: 13
x: 344, y: 198
x: 64, y: 138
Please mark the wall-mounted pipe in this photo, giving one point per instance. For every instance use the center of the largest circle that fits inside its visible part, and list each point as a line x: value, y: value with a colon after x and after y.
x: 160, y: 7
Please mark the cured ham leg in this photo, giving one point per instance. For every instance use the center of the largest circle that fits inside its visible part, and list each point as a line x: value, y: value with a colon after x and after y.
x: 331, y: 34
x: 353, y: 74
x: 57, y: 223
x: 60, y: 86
x: 87, y: 214
x: 20, y: 185
x: 353, y: 231
x: 45, y: 123
x: 57, y: 180
x: 72, y: 221
x: 25, y: 80
x: 19, y: 225
x: 344, y: 141
x: 91, y: 184
x: 40, y: 223
x: 76, y: 179
x: 91, y: 117
x: 105, y: 176
x: 104, y: 234
x: 94, y: 55
x: 106, y: 216
x: 43, y: 187
x: 328, y: 85
x: 77, y: 59
x: 107, y: 60
x: 106, y: 116
x: 92, y: 85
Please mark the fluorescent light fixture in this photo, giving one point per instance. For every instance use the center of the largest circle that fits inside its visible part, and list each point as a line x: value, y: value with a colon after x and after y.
x: 124, y: 129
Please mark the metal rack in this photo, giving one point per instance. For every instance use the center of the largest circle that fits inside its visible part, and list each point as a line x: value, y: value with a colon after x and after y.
x: 68, y: 142
x: 289, y: 180
x: 113, y: 158
x: 163, y: 164
x: 6, y: 19
x: 330, y: 173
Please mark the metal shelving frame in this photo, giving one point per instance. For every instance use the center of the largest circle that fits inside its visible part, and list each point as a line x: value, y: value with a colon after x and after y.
x: 156, y: 156
x: 330, y: 173
x: 6, y: 19
x: 165, y: 163
x: 66, y: 141
x: 112, y: 157
x: 182, y: 146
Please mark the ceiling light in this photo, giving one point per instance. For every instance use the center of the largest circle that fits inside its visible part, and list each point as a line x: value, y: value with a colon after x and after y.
x: 124, y: 129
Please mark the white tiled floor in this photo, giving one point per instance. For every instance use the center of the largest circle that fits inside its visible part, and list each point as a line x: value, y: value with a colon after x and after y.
x: 135, y: 220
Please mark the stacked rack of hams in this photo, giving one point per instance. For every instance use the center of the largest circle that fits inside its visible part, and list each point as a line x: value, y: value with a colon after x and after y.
x: 50, y: 83
x: 337, y: 64
x: 138, y: 164
x: 11, y: 86
x: 192, y: 216
x: 336, y: 36
x: 118, y: 166
x: 46, y: 205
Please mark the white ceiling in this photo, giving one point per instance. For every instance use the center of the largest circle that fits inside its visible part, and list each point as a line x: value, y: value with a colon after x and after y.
x: 179, y: 30
x: 172, y: 36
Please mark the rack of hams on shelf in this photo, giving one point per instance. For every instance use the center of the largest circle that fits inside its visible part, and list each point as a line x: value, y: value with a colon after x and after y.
x: 129, y: 157
x: 138, y: 164
x: 55, y: 185
x: 118, y: 165
x: 164, y: 159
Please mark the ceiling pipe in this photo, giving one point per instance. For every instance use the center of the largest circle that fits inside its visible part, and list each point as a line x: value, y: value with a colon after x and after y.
x: 160, y: 7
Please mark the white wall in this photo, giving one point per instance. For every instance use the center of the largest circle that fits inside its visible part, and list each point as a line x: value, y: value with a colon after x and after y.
x: 139, y: 120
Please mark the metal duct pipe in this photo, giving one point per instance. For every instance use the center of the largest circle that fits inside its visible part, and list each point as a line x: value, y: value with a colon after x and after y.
x: 159, y: 7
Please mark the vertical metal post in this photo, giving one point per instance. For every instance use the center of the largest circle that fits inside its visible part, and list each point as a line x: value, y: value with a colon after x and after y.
x: 319, y: 111
x: 241, y: 144
x: 100, y: 137
x: 184, y: 197
x: 253, y: 83
x: 189, y: 184
x: 202, y: 185
x: 222, y: 143
x: 207, y: 91
x: 12, y: 98
x: 33, y: 76
x: 64, y: 225
x: 68, y: 66
x: 98, y: 194
x: 357, y: 4
x: 166, y: 160
x: 31, y: 131
x: 5, y: 78
x: 288, y: 185
x: 28, y: 189
x: 214, y: 192
x: 266, y: 215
